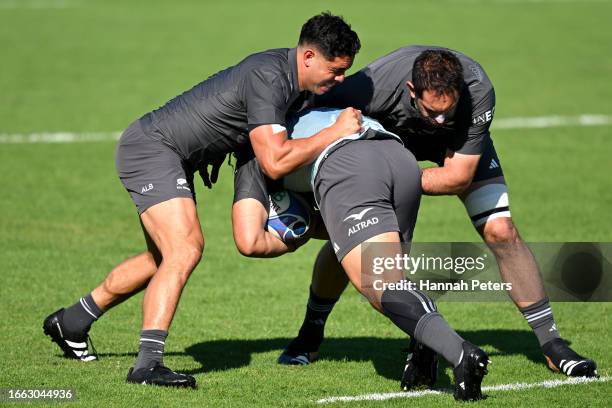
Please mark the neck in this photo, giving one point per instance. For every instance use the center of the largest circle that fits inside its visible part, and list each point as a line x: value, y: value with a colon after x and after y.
x: 299, y: 56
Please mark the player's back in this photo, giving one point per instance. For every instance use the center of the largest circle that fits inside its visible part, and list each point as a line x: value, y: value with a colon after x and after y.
x: 380, y: 89
x: 310, y: 122
x: 211, y: 118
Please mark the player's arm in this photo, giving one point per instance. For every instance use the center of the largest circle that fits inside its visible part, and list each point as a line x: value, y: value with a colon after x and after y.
x: 250, y: 210
x: 453, y: 177
x: 277, y: 155
x: 459, y: 167
x: 249, y: 219
x: 250, y: 213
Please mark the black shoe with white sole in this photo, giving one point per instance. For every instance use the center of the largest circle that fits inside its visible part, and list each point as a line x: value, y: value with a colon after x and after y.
x: 562, y: 359
x: 160, y: 375
x: 469, y: 373
x: 73, y: 345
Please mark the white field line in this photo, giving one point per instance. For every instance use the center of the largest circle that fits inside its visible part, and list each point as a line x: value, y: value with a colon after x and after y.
x: 36, y: 4
x: 540, y: 122
x: 534, y: 1
x: 59, y: 137
x: 500, y: 387
x: 552, y: 121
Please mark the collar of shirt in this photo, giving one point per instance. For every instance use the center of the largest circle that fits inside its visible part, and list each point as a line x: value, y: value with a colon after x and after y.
x: 300, y: 100
x: 292, y: 59
x: 408, y: 102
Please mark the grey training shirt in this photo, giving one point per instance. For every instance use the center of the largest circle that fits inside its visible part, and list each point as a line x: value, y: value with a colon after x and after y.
x: 214, y: 117
x: 380, y: 91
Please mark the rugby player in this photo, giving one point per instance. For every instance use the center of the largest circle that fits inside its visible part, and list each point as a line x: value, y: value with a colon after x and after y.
x: 368, y: 191
x: 159, y: 153
x: 441, y: 103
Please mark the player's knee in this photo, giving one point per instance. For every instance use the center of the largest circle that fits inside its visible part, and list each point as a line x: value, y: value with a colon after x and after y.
x: 500, y: 231
x: 185, y: 256
x: 193, y: 253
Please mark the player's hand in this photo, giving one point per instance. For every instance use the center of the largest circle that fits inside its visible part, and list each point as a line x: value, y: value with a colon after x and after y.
x: 211, y: 179
x: 349, y: 122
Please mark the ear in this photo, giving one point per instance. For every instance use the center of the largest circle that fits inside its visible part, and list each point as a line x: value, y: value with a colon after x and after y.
x: 411, y: 89
x: 309, y: 55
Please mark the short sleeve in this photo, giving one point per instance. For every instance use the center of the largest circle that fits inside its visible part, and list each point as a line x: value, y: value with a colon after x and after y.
x: 267, y: 97
x: 483, y: 109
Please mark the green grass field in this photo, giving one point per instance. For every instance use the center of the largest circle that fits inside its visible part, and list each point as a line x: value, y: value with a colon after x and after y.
x: 65, y: 220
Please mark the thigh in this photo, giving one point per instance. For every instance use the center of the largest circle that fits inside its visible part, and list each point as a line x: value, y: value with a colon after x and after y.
x: 359, y: 265
x: 173, y: 225
x: 487, y: 197
x: 151, y: 247
x: 150, y: 171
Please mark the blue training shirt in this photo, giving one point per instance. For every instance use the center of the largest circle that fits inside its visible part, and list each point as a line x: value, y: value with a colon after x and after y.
x: 312, y: 122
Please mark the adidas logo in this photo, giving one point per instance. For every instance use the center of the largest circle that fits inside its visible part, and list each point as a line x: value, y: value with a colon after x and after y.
x: 493, y: 164
x: 568, y: 367
x: 553, y: 328
x: 462, y: 385
x: 336, y: 248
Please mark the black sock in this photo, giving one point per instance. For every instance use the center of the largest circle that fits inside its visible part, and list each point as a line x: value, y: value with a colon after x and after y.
x: 151, y: 350
x: 416, y: 314
x: 311, y: 333
x: 78, y: 318
x: 540, y: 318
x: 433, y: 331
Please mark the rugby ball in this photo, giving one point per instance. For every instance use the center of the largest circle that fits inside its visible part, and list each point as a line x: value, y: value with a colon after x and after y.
x: 289, y: 217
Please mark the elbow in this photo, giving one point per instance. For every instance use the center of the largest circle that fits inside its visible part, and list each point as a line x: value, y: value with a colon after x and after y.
x: 275, y: 175
x: 461, y: 185
x: 249, y: 252
x: 247, y: 246
x: 273, y: 170
x: 246, y: 240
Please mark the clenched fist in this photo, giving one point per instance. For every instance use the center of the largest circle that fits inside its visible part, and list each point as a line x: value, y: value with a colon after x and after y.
x: 349, y: 122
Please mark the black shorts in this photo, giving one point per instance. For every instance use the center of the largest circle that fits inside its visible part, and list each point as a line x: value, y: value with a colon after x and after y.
x: 366, y: 188
x: 250, y: 181
x: 151, y: 171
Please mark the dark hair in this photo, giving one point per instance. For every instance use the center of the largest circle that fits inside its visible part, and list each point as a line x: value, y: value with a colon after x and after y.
x: 439, y: 71
x: 331, y: 35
